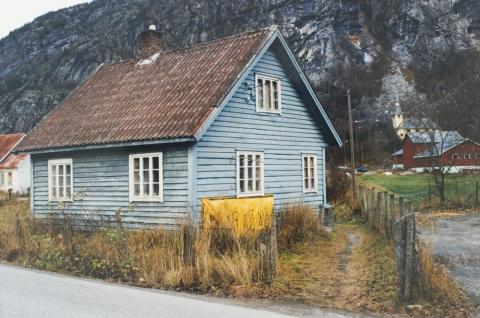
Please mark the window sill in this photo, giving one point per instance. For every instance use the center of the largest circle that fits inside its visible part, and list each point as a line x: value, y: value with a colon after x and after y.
x: 249, y: 195
x: 269, y: 112
x: 137, y: 199
x: 310, y: 191
x: 59, y: 201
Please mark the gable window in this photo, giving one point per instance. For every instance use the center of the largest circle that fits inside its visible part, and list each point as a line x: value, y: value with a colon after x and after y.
x: 268, y: 94
x: 60, y: 180
x: 249, y: 173
x: 455, y: 156
x: 467, y: 156
x: 309, y: 167
x: 146, y: 177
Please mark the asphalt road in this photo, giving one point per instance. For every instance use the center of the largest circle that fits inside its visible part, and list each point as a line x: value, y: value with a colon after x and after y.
x: 457, y: 242
x: 28, y: 293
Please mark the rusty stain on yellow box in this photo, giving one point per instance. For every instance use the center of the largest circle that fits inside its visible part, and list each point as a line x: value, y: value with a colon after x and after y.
x: 242, y: 214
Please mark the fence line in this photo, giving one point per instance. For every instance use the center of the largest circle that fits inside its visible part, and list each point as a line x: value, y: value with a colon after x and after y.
x: 379, y: 209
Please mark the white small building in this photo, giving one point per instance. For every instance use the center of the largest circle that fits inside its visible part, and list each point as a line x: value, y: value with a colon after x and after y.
x: 14, y: 168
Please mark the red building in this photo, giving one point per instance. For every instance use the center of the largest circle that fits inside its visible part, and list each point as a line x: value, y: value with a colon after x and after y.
x: 424, y: 150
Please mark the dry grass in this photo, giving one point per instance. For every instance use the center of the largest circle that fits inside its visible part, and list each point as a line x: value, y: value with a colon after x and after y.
x: 225, y: 264
x: 440, y: 289
x: 298, y: 223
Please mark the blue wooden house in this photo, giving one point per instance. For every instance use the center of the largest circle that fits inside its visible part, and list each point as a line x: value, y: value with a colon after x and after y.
x: 152, y: 136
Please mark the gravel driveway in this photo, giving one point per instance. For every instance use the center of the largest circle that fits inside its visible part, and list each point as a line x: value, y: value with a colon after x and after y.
x: 457, y: 242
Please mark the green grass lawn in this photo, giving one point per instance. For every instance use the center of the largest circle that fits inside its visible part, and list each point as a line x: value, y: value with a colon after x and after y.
x: 460, y: 189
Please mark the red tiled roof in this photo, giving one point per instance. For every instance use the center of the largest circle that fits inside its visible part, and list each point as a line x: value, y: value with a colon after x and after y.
x: 168, y: 98
x: 7, y: 143
x: 12, y: 161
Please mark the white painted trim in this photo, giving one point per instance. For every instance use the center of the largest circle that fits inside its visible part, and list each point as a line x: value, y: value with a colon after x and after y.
x: 324, y: 176
x: 279, y: 86
x: 141, y: 198
x: 262, y: 171
x: 57, y: 162
x: 315, y: 172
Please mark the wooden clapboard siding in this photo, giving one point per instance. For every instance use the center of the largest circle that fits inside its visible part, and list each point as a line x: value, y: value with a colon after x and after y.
x: 103, y: 176
x: 283, y: 138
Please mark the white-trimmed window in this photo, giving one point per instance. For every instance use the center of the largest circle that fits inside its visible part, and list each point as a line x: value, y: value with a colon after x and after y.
x: 309, y: 168
x: 467, y: 156
x: 268, y: 94
x: 249, y: 173
x: 60, y: 180
x: 455, y: 156
x: 477, y: 155
x: 146, y: 177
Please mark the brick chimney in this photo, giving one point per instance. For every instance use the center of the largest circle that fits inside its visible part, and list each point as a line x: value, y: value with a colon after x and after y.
x: 150, y: 42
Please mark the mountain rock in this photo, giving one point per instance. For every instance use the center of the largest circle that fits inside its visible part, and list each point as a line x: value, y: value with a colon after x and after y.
x: 367, y: 44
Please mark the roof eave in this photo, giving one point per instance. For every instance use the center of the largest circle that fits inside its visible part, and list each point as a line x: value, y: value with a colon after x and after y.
x: 165, y: 141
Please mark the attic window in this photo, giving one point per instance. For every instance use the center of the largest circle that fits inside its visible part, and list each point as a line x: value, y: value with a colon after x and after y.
x: 268, y: 94
x: 467, y: 156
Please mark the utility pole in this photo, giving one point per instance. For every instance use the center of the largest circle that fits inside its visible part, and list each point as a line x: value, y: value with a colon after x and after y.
x: 352, y: 146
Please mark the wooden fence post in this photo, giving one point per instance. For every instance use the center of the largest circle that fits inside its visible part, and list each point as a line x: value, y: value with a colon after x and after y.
x: 273, y: 245
x: 410, y: 242
x: 476, y: 194
x: 19, y: 233
x: 189, y: 245
x: 380, y: 206
x: 386, y: 216
x: 399, y: 239
x: 370, y: 205
x: 393, y: 216
x: 401, y: 204
x: 118, y: 220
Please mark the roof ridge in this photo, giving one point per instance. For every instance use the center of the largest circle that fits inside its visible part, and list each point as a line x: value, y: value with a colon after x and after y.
x: 200, y: 45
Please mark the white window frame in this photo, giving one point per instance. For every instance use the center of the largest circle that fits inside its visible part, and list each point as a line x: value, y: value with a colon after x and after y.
x: 315, y: 173
x: 141, y: 197
x: 262, y: 174
x: 257, y: 97
x: 467, y: 156
x: 57, y: 163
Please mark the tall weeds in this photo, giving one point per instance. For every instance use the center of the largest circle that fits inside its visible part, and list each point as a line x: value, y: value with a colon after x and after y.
x: 224, y: 262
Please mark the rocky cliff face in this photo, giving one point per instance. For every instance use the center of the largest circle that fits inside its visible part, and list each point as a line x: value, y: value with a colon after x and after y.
x: 339, y: 43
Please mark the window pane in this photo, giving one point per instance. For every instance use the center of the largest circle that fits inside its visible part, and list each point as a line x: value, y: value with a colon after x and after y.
x: 146, y: 189
x: 61, y: 191
x: 242, y: 186
x: 268, y: 95
x: 136, y: 177
x: 305, y: 184
x: 60, y: 170
x: 156, y: 189
x: 136, y: 163
x: 60, y: 181
x: 69, y: 193
x: 68, y: 182
x: 260, y: 93
x: 250, y: 185
x: 312, y: 183
x: 156, y: 176
x: 146, y: 176
x: 257, y: 185
x: 242, y: 173
x: 69, y: 170
x: 312, y: 161
x: 146, y: 163
x: 156, y: 162
x: 136, y: 189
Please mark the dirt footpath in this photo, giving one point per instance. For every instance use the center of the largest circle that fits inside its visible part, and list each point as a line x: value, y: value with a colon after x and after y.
x: 456, y: 243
